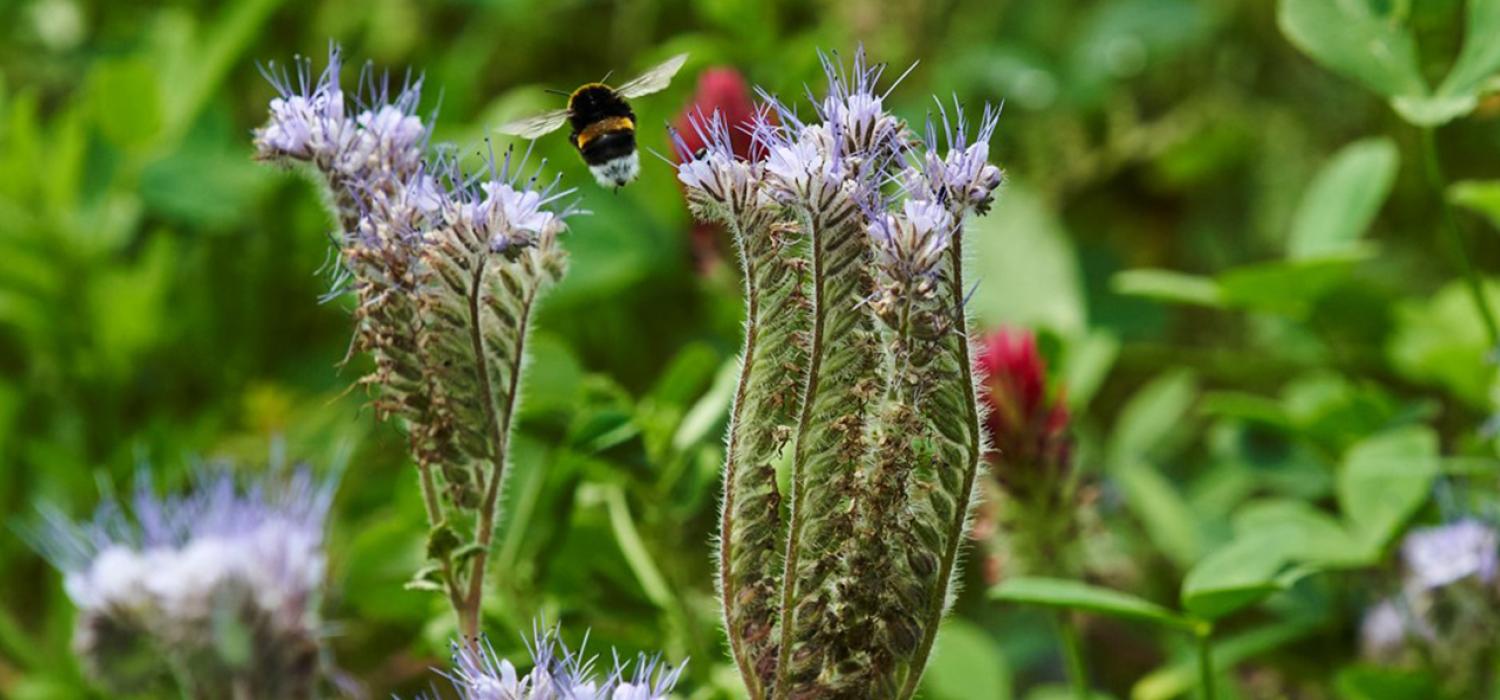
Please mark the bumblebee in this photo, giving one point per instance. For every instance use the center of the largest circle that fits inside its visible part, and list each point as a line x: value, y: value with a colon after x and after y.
x: 603, y: 123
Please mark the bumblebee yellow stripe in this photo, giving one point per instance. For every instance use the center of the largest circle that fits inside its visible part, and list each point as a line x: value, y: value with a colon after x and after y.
x: 607, y: 125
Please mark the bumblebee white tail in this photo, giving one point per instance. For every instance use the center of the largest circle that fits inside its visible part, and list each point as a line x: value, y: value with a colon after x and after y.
x: 618, y: 172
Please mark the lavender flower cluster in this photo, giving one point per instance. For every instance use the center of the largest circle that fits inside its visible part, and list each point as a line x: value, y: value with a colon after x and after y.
x: 557, y: 674
x: 445, y: 269
x: 219, y: 587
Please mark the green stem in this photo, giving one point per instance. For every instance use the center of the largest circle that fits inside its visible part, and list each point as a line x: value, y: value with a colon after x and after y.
x: 1078, y: 673
x: 1205, y: 666
x: 1454, y: 237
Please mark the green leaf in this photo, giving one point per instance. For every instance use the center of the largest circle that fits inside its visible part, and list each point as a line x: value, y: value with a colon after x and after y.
x: 1304, y: 533
x: 1239, y: 574
x: 1442, y: 341
x: 1076, y: 595
x: 1181, y: 675
x: 1481, y: 196
x: 1026, y: 269
x: 1368, y: 682
x: 427, y: 578
x: 1151, y: 415
x: 1385, y: 479
x: 966, y: 663
x: 1086, y: 364
x: 1168, y: 286
x: 1287, y: 287
x: 1480, y: 58
x: 126, y: 101
x: 1349, y: 38
x: 1169, y: 521
x: 1343, y: 199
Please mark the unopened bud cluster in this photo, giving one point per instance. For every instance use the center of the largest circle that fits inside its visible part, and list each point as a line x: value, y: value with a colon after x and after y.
x: 856, y: 369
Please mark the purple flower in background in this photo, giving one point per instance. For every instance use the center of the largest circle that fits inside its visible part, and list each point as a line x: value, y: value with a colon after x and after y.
x: 1444, y: 615
x: 556, y: 674
x: 223, y: 579
x: 1438, y: 556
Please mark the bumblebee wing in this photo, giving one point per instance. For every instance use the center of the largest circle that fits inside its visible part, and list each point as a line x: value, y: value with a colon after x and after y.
x: 653, y: 80
x: 535, y: 126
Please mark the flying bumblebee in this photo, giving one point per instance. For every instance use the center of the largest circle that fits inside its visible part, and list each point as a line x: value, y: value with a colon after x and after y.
x: 603, y: 123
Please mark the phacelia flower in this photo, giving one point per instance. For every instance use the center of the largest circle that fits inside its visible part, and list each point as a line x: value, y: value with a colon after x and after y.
x: 311, y: 122
x: 912, y: 242
x: 962, y: 177
x: 167, y: 583
x: 1027, y: 427
x: 1438, y: 556
x: 717, y: 122
x: 855, y: 112
x: 556, y: 674
x: 721, y: 183
x: 1444, y: 614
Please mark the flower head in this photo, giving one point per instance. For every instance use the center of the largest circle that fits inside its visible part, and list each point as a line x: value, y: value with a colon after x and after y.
x: 951, y: 168
x: 715, y: 174
x: 173, y: 575
x: 556, y: 674
x: 912, y: 242
x: 858, y: 113
x: 1028, y: 428
x: 1438, y: 556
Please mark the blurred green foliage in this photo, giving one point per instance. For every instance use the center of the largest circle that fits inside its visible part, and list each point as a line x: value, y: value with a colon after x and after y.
x: 1228, y: 249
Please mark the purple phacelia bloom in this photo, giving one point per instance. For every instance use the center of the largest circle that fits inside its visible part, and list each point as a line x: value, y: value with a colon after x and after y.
x: 716, y: 174
x: 174, y: 578
x: 1438, y: 556
x: 311, y: 121
x: 557, y: 673
x: 952, y: 168
x: 911, y: 242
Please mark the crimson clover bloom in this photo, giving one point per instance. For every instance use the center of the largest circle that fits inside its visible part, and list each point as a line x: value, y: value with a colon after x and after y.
x: 1027, y: 427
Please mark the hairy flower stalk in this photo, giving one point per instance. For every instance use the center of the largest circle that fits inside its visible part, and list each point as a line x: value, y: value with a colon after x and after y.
x: 556, y: 674
x: 216, y: 590
x: 445, y: 269
x: 839, y: 593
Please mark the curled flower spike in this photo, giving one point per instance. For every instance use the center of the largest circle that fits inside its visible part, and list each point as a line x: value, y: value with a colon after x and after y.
x: 856, y: 373
x: 556, y: 674
x: 445, y: 268
x: 160, y: 587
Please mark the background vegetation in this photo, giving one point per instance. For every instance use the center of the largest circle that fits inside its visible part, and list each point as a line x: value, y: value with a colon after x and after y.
x: 158, y: 302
